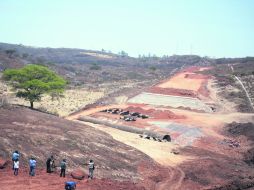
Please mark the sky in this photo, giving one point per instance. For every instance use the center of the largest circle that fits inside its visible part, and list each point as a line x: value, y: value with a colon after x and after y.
x: 214, y: 28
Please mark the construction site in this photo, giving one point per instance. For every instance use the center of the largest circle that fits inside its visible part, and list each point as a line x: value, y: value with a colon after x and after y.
x: 188, y: 124
x: 180, y: 133
x: 178, y: 123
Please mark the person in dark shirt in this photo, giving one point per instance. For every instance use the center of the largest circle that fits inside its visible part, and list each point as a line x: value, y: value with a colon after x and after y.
x: 91, y: 169
x: 63, y: 168
x: 49, y: 164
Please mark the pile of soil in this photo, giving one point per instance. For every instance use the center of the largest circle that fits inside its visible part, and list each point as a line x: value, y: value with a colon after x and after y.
x: 173, y: 92
x: 153, y: 113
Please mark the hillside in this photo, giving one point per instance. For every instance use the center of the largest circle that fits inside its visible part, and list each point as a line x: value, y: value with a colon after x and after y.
x: 154, y: 123
x: 93, y: 76
x: 38, y: 134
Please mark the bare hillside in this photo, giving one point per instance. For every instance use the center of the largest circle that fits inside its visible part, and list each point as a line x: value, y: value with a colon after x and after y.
x: 37, y: 134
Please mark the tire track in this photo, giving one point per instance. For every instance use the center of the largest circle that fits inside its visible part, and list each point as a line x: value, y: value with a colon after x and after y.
x: 173, y: 182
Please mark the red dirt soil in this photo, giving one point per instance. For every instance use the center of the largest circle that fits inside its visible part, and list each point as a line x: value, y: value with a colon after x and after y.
x: 156, y: 114
x: 173, y: 91
x: 44, y: 181
x: 203, y: 89
x: 197, y: 76
x: 194, y: 69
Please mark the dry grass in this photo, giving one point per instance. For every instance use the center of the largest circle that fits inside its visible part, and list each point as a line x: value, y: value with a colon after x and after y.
x: 72, y: 101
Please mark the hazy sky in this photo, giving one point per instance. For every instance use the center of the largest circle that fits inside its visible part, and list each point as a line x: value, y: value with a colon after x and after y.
x: 220, y: 28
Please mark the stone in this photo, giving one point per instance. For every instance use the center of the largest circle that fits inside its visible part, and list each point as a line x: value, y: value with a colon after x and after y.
x: 78, y: 174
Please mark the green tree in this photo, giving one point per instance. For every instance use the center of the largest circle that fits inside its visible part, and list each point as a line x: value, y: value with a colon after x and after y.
x: 95, y: 67
x: 152, y: 68
x: 123, y: 54
x: 32, y: 81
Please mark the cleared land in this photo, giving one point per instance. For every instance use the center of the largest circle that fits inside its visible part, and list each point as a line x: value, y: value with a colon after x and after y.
x: 71, y: 101
x: 185, y: 80
x: 194, y: 114
x: 170, y: 101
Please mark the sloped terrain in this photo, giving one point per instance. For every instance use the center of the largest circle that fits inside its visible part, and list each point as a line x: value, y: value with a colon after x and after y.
x: 37, y: 134
x: 202, y: 110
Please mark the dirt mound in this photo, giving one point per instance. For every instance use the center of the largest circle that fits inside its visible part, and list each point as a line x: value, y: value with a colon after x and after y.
x: 173, y: 91
x: 158, y: 114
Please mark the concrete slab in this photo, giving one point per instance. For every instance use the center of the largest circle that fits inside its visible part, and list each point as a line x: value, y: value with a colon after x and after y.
x: 172, y: 101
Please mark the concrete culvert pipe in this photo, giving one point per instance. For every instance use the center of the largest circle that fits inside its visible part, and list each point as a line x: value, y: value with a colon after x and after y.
x: 167, y: 138
x: 142, y: 132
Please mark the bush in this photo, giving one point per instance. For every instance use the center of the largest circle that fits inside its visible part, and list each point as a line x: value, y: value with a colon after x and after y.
x: 152, y: 68
x: 95, y: 67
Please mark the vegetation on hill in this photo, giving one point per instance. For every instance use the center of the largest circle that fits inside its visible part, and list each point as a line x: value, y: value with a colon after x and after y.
x: 32, y: 81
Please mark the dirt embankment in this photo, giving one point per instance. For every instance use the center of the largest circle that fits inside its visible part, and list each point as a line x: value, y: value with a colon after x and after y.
x: 155, y: 113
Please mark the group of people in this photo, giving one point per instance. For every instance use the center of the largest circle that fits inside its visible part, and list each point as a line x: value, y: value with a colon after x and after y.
x: 15, y: 164
x: 15, y: 160
x: 50, y: 165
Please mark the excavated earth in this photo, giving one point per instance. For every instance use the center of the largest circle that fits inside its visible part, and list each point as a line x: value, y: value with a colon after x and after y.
x: 205, y: 152
x: 211, y: 144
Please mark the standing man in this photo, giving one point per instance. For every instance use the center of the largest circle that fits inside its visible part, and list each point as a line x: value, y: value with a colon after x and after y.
x: 32, y: 164
x: 15, y: 156
x: 48, y: 164
x: 63, y: 168
x: 91, y: 169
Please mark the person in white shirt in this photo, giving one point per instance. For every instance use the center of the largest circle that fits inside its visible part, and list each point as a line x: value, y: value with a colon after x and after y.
x: 32, y: 164
x: 16, y: 167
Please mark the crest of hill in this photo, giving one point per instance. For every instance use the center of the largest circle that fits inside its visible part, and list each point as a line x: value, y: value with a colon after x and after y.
x: 74, y: 56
